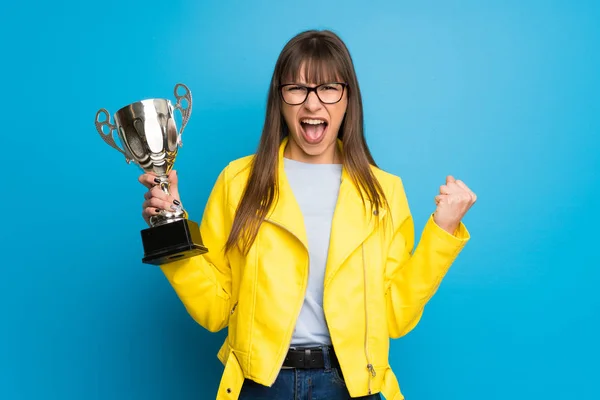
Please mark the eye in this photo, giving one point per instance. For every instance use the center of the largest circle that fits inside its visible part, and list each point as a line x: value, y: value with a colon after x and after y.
x: 294, y: 89
x: 333, y: 88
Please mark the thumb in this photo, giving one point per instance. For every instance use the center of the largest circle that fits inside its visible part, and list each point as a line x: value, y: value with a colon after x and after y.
x: 450, y: 179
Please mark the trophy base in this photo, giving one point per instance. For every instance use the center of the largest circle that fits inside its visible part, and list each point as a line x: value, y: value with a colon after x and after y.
x: 172, y: 242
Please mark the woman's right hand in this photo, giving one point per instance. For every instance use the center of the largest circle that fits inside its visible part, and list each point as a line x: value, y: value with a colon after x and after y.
x: 156, y: 199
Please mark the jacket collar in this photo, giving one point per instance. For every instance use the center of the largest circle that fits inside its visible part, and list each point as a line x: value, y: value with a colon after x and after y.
x: 352, y: 222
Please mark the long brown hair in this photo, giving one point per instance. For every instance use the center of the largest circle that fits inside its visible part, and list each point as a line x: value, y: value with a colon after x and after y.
x: 324, y: 58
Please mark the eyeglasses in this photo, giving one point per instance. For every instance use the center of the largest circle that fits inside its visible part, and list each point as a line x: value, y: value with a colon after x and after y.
x: 328, y: 93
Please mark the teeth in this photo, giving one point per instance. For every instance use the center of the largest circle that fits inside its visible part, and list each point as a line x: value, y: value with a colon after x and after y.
x: 312, y: 121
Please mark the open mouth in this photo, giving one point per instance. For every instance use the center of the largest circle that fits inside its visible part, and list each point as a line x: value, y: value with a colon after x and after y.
x: 313, y: 130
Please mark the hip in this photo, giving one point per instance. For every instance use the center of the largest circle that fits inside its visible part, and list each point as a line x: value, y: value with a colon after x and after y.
x: 307, y: 374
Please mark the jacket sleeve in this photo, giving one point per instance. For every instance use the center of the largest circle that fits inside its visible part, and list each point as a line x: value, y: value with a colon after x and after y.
x: 203, y: 282
x: 413, y: 277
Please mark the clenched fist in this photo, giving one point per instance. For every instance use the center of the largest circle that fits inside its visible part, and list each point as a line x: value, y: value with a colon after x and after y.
x: 453, y: 202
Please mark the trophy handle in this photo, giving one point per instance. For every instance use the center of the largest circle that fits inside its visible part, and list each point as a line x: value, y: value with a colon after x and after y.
x: 108, y: 137
x: 185, y: 112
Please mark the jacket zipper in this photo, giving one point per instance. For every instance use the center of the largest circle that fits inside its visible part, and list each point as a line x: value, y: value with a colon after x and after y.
x: 304, y: 284
x: 370, y: 368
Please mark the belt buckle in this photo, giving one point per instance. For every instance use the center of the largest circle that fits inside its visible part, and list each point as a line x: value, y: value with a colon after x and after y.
x: 307, y: 358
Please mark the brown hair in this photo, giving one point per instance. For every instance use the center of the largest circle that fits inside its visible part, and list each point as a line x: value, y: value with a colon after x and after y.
x: 324, y: 58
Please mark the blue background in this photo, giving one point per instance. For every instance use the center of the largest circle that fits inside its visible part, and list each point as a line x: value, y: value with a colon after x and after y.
x: 502, y: 94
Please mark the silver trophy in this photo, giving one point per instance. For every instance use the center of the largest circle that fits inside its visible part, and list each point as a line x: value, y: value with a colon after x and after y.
x: 148, y: 135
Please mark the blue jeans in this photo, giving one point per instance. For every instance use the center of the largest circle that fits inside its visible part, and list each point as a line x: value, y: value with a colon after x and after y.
x: 302, y: 384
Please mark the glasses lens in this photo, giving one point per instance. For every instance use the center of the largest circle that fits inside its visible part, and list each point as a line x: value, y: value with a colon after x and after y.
x: 330, y: 92
x: 293, y: 94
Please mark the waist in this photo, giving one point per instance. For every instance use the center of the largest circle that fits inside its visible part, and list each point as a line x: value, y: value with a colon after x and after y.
x: 322, y: 357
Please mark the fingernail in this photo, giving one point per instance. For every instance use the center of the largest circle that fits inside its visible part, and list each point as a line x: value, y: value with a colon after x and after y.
x: 157, y: 210
x: 176, y: 202
x: 156, y: 180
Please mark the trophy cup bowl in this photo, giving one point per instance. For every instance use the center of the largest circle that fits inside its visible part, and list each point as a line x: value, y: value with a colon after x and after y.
x: 148, y: 135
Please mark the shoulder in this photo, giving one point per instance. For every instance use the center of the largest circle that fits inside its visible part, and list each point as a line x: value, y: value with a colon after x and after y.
x: 232, y: 178
x: 238, y: 169
x: 393, y: 189
x: 390, y: 183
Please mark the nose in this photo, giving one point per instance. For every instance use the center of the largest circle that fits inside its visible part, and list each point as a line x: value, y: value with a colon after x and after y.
x: 312, y: 103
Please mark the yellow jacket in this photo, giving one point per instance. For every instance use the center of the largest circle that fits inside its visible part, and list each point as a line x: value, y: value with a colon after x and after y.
x: 375, y: 285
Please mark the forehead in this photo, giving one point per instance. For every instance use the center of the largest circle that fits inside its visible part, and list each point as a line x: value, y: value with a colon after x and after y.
x: 312, y: 71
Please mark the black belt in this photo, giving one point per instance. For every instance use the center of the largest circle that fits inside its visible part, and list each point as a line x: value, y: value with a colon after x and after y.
x: 306, y: 358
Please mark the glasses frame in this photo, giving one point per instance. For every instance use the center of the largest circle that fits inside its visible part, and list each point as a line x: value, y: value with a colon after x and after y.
x: 310, y: 89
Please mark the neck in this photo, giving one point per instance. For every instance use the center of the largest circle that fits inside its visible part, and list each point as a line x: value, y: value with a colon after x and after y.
x: 332, y: 155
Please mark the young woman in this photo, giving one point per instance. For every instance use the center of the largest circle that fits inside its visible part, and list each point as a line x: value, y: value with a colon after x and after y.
x: 311, y: 264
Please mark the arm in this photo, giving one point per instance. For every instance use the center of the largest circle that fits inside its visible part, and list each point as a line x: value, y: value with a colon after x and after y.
x: 203, y: 282
x: 412, y: 278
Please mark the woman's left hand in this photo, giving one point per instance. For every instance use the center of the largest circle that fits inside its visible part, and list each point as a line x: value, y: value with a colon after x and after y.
x: 453, y: 202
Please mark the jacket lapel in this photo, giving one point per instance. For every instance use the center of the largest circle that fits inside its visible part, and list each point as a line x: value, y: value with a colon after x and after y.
x: 286, y: 212
x: 352, y: 223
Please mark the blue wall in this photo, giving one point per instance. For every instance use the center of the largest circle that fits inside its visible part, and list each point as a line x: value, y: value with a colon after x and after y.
x: 503, y: 94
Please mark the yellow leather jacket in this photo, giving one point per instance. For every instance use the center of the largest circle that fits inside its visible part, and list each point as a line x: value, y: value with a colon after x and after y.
x: 375, y: 286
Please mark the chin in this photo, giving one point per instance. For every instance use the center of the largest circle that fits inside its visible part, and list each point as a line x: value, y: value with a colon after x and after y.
x: 313, y: 150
